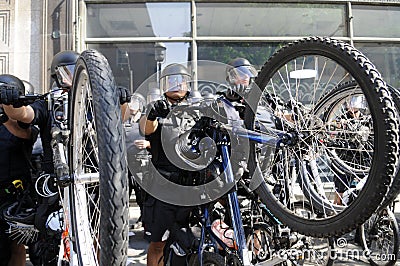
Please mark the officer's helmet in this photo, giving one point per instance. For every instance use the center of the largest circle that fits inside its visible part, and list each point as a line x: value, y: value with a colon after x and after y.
x: 8, y: 80
x: 137, y: 103
x: 62, y: 68
x: 175, y: 77
x: 240, y: 71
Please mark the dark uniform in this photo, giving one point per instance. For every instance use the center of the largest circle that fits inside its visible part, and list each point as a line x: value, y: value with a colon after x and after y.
x: 14, y: 165
x: 158, y: 216
x: 45, y: 251
x: 42, y: 119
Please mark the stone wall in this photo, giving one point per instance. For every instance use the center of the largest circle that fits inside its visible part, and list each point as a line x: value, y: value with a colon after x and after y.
x: 21, y: 40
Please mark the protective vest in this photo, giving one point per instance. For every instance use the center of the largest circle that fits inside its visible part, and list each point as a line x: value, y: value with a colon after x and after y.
x: 14, y: 156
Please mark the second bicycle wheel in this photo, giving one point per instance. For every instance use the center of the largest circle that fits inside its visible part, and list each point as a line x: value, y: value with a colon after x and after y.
x: 380, y: 237
x: 98, y: 194
x: 290, y: 87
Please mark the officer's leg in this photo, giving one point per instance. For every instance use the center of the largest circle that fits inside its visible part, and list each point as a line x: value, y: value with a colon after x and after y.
x: 5, y: 243
x: 18, y: 254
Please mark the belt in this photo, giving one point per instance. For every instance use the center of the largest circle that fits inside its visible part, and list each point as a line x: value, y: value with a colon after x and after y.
x: 11, y: 187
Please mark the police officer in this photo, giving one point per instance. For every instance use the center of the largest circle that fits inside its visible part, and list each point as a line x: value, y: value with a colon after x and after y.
x: 136, y: 149
x: 158, y: 216
x: 343, y: 181
x: 37, y: 113
x: 16, y: 143
x: 239, y: 74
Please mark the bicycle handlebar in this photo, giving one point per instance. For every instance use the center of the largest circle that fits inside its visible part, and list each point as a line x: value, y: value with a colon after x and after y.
x: 27, y: 99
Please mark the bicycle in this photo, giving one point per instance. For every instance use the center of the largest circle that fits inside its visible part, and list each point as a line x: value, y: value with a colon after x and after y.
x: 244, y: 226
x: 269, y: 240
x: 90, y: 165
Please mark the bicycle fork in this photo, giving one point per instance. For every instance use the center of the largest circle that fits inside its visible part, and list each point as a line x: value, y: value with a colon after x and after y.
x: 234, y: 208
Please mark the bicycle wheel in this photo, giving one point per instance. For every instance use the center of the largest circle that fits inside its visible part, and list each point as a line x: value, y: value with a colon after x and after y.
x: 351, y: 159
x: 209, y: 259
x: 98, y: 195
x: 349, y: 146
x: 380, y: 237
x: 290, y: 86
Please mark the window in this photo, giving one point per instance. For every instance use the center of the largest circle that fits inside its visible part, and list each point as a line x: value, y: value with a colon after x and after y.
x: 256, y: 52
x: 270, y: 19
x: 376, y: 21
x: 227, y: 30
x: 133, y: 63
x: 138, y: 20
x: 386, y: 57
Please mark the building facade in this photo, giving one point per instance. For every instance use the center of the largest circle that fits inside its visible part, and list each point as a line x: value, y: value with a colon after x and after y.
x: 129, y: 32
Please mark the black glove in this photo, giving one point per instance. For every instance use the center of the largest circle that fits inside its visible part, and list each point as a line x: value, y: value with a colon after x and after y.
x: 241, y: 89
x: 124, y: 95
x: 3, y: 116
x: 10, y: 95
x: 156, y: 109
x: 235, y: 92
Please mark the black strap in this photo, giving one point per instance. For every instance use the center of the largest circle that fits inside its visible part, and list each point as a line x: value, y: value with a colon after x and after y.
x: 27, y: 156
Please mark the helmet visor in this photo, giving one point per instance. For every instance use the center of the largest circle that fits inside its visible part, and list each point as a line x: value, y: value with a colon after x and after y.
x: 65, y: 75
x: 136, y: 103
x: 175, y: 83
x: 241, y: 74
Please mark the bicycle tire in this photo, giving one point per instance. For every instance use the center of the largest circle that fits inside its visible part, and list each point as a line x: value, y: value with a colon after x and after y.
x: 338, y: 94
x: 326, y: 106
x: 336, y: 56
x: 382, y: 225
x: 394, y: 189
x: 209, y: 259
x: 98, y: 194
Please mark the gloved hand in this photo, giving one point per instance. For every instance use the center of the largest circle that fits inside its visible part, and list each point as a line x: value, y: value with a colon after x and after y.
x: 241, y: 89
x: 124, y: 95
x: 10, y: 95
x: 159, y: 108
x: 235, y: 93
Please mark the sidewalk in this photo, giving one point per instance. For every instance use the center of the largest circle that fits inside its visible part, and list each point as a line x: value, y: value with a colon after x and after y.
x: 137, y: 245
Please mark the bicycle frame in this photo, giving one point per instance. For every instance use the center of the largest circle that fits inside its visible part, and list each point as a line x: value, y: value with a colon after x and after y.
x: 271, y: 137
x: 232, y: 197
